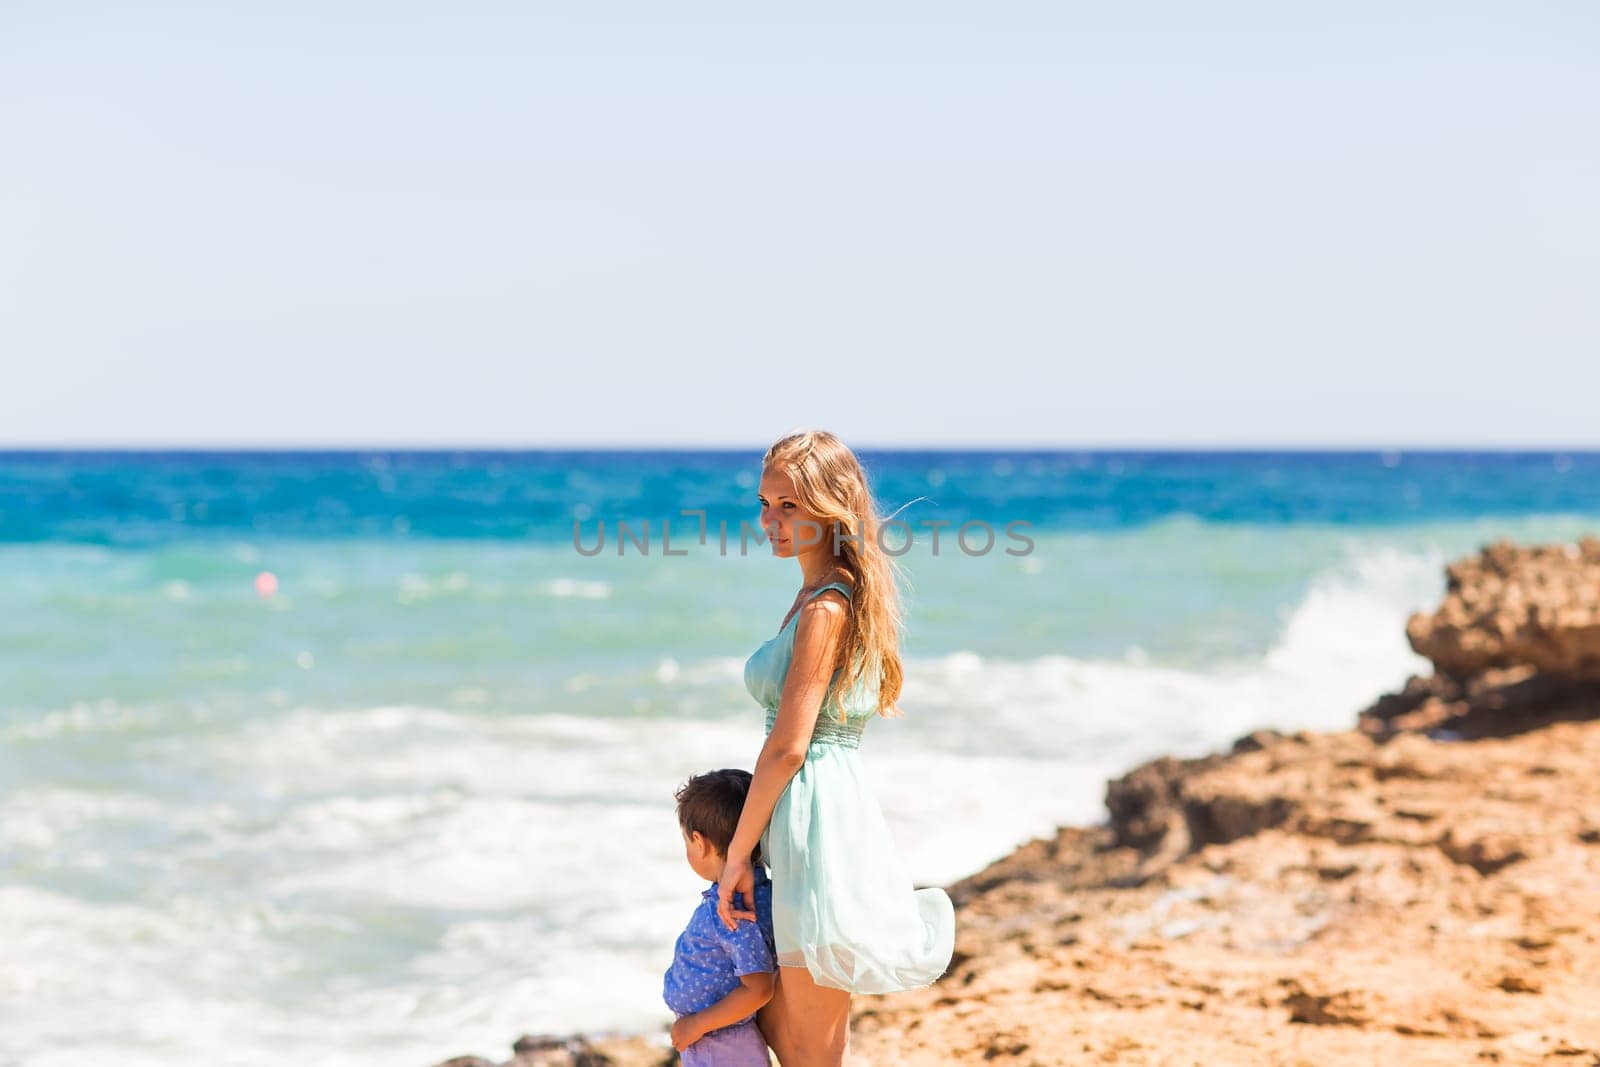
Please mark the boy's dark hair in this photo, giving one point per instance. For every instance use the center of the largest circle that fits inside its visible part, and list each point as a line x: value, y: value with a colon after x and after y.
x: 711, y: 803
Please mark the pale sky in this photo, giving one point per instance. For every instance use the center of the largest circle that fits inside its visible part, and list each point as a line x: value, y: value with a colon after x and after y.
x: 526, y: 224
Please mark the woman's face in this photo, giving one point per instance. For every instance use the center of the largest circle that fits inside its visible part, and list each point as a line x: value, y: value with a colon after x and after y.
x: 789, y: 527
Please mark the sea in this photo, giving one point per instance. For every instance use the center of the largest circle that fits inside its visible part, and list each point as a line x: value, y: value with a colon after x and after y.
x: 367, y: 757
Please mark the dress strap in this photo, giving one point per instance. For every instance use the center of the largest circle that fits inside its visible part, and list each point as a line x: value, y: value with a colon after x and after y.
x: 795, y: 614
x: 845, y: 589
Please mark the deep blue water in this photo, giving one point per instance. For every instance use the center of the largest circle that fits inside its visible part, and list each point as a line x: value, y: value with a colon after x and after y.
x: 113, y: 497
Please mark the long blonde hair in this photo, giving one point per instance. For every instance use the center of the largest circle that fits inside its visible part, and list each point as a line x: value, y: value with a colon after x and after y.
x: 832, y: 486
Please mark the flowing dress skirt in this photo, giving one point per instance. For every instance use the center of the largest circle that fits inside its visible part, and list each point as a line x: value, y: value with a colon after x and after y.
x: 842, y: 904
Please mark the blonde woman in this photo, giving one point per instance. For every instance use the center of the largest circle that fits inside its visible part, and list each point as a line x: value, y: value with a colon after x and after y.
x: 846, y: 917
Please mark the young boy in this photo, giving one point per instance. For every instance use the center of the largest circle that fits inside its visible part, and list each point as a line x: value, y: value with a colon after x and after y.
x: 719, y: 977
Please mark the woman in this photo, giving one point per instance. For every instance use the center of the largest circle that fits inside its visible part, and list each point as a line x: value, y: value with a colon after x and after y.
x: 845, y: 916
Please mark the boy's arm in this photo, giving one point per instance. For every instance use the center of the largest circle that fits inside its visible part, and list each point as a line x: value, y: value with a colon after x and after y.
x: 754, y: 990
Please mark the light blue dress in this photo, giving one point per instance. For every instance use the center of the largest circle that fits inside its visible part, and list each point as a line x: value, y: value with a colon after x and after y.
x: 843, y: 907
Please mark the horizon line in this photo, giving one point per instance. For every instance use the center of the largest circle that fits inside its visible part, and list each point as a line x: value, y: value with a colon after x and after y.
x: 1251, y: 448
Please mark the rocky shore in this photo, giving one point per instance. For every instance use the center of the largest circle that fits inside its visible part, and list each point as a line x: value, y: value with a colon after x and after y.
x: 1421, y: 889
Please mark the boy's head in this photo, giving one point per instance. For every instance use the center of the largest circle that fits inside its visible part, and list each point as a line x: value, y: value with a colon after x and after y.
x: 708, y: 812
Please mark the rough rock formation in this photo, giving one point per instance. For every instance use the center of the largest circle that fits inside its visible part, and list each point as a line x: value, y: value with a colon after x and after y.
x: 1515, y: 645
x: 1511, y: 606
x: 1313, y: 899
x: 550, y: 1051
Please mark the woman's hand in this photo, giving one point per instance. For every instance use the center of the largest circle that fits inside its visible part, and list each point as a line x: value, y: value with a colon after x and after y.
x: 737, y: 877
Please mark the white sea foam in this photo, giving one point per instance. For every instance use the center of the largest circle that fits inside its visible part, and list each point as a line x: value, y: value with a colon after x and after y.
x: 576, y: 587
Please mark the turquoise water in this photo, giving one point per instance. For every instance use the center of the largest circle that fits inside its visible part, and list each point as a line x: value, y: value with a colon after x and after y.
x: 418, y: 801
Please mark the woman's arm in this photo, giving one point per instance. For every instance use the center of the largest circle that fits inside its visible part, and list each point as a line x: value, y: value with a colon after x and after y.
x: 818, y: 633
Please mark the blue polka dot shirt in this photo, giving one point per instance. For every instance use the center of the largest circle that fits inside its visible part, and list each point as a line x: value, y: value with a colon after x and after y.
x: 709, y: 958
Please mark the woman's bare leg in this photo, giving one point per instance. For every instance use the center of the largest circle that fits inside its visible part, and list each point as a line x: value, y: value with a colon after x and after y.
x: 806, y: 1024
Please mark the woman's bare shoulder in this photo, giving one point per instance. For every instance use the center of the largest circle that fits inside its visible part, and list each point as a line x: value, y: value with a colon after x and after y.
x: 825, y: 610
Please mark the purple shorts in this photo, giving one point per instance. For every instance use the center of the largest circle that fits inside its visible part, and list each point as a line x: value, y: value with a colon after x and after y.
x: 740, y: 1045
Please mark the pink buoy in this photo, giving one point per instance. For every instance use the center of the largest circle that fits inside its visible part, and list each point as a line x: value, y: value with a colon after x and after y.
x: 266, y: 583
